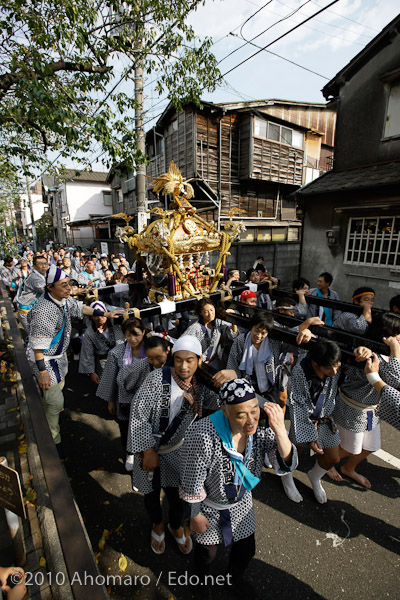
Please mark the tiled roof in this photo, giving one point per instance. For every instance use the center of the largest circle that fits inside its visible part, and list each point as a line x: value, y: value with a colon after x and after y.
x: 94, y: 176
x: 371, y: 176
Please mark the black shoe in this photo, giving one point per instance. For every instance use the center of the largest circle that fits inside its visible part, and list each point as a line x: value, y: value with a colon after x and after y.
x: 60, y: 450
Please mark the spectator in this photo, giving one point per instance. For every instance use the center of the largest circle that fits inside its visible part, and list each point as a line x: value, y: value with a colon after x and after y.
x: 323, y: 290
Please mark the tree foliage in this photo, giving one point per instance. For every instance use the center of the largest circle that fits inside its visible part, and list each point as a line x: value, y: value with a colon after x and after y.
x: 60, y: 65
x: 44, y: 227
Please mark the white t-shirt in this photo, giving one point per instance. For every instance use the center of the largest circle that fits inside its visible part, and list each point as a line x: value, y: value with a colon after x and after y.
x: 176, y: 401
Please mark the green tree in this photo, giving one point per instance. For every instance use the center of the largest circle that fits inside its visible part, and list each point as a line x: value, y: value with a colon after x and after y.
x: 60, y: 65
x: 10, y: 201
x: 44, y: 227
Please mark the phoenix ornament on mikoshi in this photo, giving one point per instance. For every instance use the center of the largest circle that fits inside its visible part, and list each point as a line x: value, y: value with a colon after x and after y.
x: 172, y: 183
x: 174, y: 250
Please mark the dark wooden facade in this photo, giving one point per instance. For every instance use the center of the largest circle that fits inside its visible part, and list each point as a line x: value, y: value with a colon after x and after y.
x: 234, y: 168
x: 239, y: 169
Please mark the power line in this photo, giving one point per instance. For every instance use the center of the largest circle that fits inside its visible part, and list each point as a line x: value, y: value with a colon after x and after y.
x: 290, y: 61
x: 331, y: 25
x: 254, y: 14
x: 348, y: 18
x: 280, y: 37
x: 265, y: 30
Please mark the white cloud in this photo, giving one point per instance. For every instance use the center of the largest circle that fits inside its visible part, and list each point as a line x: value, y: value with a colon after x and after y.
x: 325, y: 44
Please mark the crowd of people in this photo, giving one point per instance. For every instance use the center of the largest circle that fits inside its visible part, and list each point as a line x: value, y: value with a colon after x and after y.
x: 205, y: 442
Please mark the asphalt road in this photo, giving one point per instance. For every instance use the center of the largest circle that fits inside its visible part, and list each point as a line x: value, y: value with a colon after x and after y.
x: 347, y: 548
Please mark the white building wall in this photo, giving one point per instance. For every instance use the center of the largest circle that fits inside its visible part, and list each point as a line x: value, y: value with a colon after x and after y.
x: 38, y: 209
x: 85, y: 199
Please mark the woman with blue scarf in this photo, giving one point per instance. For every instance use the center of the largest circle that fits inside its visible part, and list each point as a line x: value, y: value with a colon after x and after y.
x: 222, y: 460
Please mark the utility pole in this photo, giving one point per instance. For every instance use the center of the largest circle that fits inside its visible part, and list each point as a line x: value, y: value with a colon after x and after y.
x: 28, y: 190
x: 139, y: 122
x: 140, y: 137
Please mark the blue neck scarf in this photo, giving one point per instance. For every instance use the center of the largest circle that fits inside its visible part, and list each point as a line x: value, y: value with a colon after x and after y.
x: 327, y: 311
x: 242, y: 473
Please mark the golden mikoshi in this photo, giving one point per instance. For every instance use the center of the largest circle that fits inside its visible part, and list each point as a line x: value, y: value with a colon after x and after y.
x: 174, y: 249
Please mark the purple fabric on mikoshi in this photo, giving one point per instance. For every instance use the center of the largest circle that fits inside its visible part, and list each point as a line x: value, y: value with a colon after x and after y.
x: 55, y: 274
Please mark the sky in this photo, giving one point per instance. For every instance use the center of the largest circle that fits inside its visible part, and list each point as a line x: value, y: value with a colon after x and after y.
x: 323, y: 45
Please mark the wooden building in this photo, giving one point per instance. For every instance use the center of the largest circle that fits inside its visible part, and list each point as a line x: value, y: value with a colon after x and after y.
x: 352, y: 212
x: 250, y: 156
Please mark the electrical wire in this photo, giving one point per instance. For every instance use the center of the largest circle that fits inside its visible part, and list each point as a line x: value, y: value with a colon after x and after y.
x: 254, y: 14
x: 331, y: 25
x: 348, y: 18
x: 265, y: 30
x: 290, y: 61
x: 279, y: 38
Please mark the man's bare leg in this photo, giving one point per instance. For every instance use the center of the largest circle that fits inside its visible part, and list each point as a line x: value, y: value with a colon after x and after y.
x: 333, y: 473
x: 349, y: 468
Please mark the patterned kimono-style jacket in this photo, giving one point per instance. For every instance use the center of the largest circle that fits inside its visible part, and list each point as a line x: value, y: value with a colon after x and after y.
x: 108, y: 388
x: 148, y: 422
x: 389, y: 406
x: 212, y: 347
x: 32, y: 289
x: 10, y: 276
x: 271, y: 366
x: 95, y: 347
x: 207, y: 475
x: 351, y: 323
x: 302, y: 408
x: 46, y: 319
x: 356, y: 386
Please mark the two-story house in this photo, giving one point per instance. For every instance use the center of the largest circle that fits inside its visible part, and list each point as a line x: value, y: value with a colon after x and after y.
x: 78, y: 204
x: 352, y: 213
x: 250, y: 156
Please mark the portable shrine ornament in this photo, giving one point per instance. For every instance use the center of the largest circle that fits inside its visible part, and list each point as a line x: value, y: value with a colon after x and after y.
x: 173, y: 251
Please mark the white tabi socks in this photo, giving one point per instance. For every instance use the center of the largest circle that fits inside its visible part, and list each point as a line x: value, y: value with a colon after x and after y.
x: 315, y: 476
x: 290, y: 488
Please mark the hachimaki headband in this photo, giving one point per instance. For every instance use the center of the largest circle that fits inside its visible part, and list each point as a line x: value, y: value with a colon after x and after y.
x: 236, y: 391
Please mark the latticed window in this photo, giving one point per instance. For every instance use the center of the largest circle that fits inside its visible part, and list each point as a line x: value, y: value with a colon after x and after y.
x: 373, y: 241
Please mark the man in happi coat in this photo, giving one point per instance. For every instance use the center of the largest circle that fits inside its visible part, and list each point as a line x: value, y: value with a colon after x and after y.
x: 32, y: 289
x: 167, y: 403
x: 49, y: 336
x: 389, y: 404
x: 222, y: 460
x: 314, y: 388
x: 10, y: 275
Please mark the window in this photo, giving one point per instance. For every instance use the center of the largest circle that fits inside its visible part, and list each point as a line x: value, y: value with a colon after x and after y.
x: 264, y: 234
x: 120, y: 195
x: 278, y: 133
x: 392, y: 123
x: 247, y: 236
x: 293, y: 234
x: 107, y: 198
x: 172, y: 127
x: 260, y: 128
x: 373, y: 241
x: 279, y: 234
